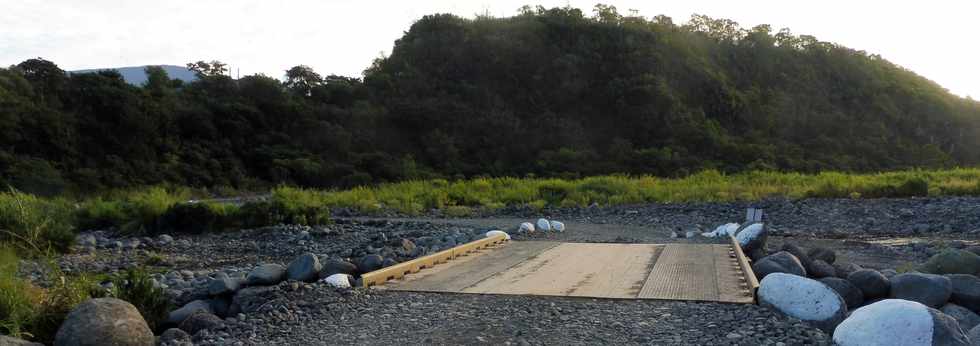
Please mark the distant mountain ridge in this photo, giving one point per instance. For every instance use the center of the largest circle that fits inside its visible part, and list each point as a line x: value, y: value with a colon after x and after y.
x: 136, y: 76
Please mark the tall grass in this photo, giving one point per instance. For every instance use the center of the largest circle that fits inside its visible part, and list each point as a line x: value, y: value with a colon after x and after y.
x: 35, y: 224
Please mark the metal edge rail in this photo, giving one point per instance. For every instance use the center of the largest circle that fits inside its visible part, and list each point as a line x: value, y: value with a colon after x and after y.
x: 743, y: 262
x: 398, y: 271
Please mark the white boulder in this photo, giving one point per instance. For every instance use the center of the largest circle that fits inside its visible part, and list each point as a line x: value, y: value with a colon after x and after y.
x: 544, y: 225
x: 897, y: 322
x: 752, y: 236
x: 722, y: 231
x: 806, y: 299
x: 527, y: 227
x: 557, y: 226
x: 496, y: 232
x: 337, y: 280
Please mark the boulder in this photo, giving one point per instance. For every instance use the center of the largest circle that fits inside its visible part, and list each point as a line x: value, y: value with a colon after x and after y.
x: 821, y: 269
x: 220, y: 306
x: 222, y: 284
x: 888, y: 273
x: 898, y: 322
x: 852, y: 295
x: 526, y: 227
x: 752, y: 236
x: 250, y: 299
x: 966, y: 291
x: 543, y: 225
x: 175, y: 337
x: 370, y: 263
x: 722, y: 231
x: 557, y: 226
x: 966, y: 318
x: 974, y: 336
x: 799, y: 253
x: 974, y: 249
x: 929, y: 289
x: 266, y: 275
x: 806, y: 299
x: 337, y: 266
x: 845, y: 269
x: 104, y: 321
x: 823, y: 254
x: 199, y: 321
x: 338, y: 280
x: 780, y: 262
x: 497, y: 232
x: 305, y: 267
x: 871, y: 283
x: 388, y: 262
x: 12, y: 341
x: 952, y: 261
x: 188, y: 309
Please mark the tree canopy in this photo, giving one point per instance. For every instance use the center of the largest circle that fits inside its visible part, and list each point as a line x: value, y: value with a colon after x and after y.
x: 548, y: 92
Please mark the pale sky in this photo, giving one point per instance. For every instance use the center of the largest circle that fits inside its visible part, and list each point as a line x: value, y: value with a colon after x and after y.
x: 937, y: 39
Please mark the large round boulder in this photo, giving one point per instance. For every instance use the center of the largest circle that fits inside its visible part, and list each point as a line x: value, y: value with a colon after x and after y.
x: 893, y: 322
x: 799, y: 253
x: 370, y: 263
x: 188, y: 309
x: 266, y: 275
x: 338, y: 280
x: 852, y: 295
x: 966, y: 318
x: 199, y: 321
x: 543, y: 225
x: 806, y: 299
x: 823, y: 254
x: 104, y: 321
x: 305, y: 267
x: 845, y: 269
x: 222, y: 284
x: 494, y: 233
x: 557, y: 226
x: 526, y: 227
x: 337, y: 266
x: 821, y: 269
x: 974, y: 336
x: 966, y: 291
x: 870, y: 282
x: 752, y: 236
x: 952, y: 261
x: 780, y: 262
x: 929, y: 289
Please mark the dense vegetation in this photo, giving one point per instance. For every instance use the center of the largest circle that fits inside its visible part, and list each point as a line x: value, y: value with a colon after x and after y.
x: 548, y: 92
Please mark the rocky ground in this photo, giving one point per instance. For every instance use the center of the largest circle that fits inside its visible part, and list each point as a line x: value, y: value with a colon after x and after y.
x: 876, y: 234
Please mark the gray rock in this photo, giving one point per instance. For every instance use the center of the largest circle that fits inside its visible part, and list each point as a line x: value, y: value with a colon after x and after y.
x: 188, y: 309
x: 974, y: 249
x: 803, y: 298
x: 220, y: 306
x: 266, y: 275
x: 967, y: 319
x: 199, y: 321
x: 898, y: 322
x: 823, y: 254
x: 974, y: 336
x: 799, y: 253
x: 966, y: 291
x: 751, y: 236
x: 222, y: 285
x: 929, y: 289
x: 780, y: 262
x: 250, y: 299
x: 952, y: 261
x: 852, y: 295
x: 821, y: 269
x: 845, y: 269
x: 86, y: 240
x: 164, y: 239
x: 104, y: 321
x: 175, y: 337
x: 370, y: 263
x: 12, y: 341
x: 870, y: 282
x: 336, y: 266
x: 304, y: 268
x: 888, y: 273
x: 389, y: 262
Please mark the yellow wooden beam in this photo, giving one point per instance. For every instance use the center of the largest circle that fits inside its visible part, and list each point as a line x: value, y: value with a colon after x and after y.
x: 398, y: 271
x: 751, y: 281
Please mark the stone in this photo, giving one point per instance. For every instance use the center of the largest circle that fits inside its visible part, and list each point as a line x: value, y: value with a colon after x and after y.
x: 898, y: 322
x: 557, y: 226
x: 803, y: 298
x: 199, y: 321
x: 104, y: 321
x: 852, y: 295
x: 498, y: 232
x: 966, y: 318
x: 974, y: 336
x: 408, y: 246
x: 338, y: 280
x: 86, y: 240
x: 929, y: 289
x: 722, y: 231
x: 250, y: 299
x: 305, y: 268
x: 179, y: 315
x: 974, y: 249
x: 222, y: 284
x: 823, y: 254
x: 266, y: 275
x: 164, y: 239
x: 526, y: 227
x: 370, y: 263
x: 888, y: 273
x: 175, y: 337
x: 871, y: 283
x: 220, y: 306
x: 952, y: 261
x: 966, y: 291
x: 389, y: 262
x: 337, y: 266
x: 543, y: 225
x: 780, y: 262
x: 845, y: 269
x: 12, y: 341
x: 752, y: 236
x: 821, y: 269
x: 799, y: 253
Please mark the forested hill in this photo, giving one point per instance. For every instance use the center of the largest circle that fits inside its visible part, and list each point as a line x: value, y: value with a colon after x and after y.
x: 549, y: 92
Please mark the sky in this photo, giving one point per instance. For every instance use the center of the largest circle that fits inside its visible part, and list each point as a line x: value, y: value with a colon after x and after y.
x: 938, y: 39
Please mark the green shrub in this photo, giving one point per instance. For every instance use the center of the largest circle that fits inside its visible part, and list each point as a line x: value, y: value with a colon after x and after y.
x: 136, y: 287
x: 35, y: 224
x: 17, y: 297
x: 459, y: 211
x: 196, y: 218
